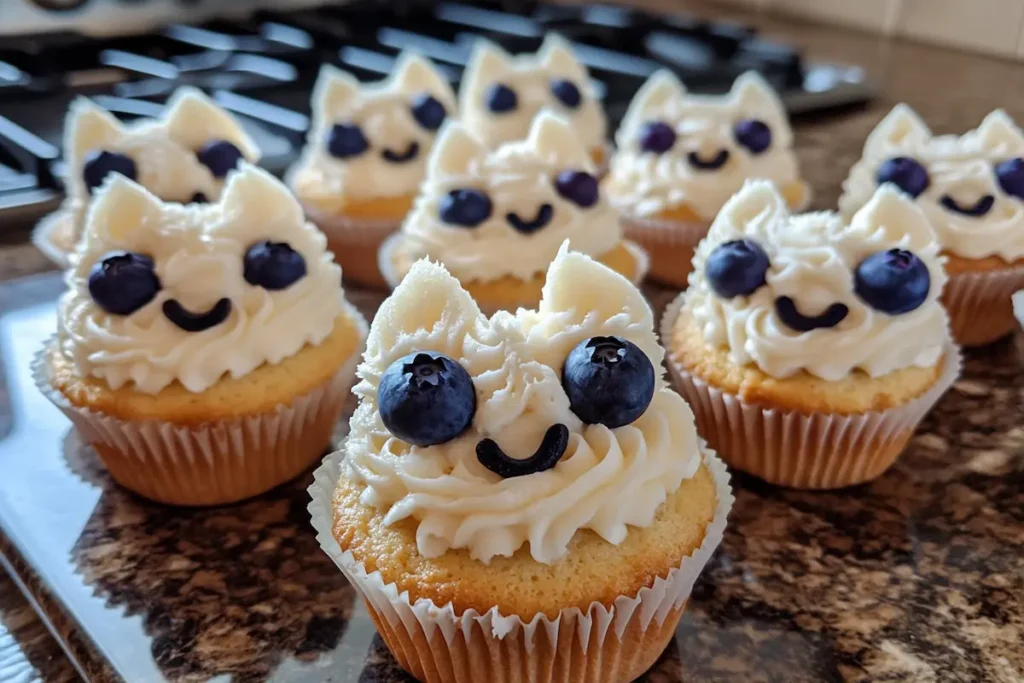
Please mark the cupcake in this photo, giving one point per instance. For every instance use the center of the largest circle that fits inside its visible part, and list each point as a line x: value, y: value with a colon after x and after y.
x: 366, y: 156
x: 680, y: 157
x: 501, y: 95
x: 183, y: 156
x: 496, y: 219
x: 972, y: 190
x: 810, y: 348
x: 521, y: 493
x: 205, y: 351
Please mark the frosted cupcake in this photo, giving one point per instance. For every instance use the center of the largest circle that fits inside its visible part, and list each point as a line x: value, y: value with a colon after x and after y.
x: 680, y: 157
x: 366, y: 156
x: 184, y: 156
x: 501, y: 95
x: 809, y: 347
x: 205, y: 351
x: 523, y: 492
x: 496, y: 219
x: 972, y: 190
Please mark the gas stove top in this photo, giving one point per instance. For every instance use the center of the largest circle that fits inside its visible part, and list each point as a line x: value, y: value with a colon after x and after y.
x: 261, y: 65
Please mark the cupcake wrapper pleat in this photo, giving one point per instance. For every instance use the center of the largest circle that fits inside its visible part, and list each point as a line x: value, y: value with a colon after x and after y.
x: 670, y: 244
x: 601, y: 645
x: 351, y: 230
x: 979, y: 304
x: 807, y: 451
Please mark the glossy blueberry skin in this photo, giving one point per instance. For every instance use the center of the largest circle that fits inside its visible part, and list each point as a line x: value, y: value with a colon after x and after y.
x: 566, y: 92
x: 1010, y: 174
x: 220, y: 156
x: 466, y: 208
x: 346, y: 140
x: 101, y: 163
x: 122, y: 282
x: 501, y: 99
x: 428, y: 111
x: 608, y: 380
x: 273, y: 265
x: 736, y: 268
x: 894, y: 281
x: 657, y: 137
x: 426, y: 398
x: 579, y: 187
x: 755, y: 135
x: 906, y: 173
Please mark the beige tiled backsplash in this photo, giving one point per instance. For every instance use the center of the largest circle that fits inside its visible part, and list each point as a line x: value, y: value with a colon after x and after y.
x: 991, y: 26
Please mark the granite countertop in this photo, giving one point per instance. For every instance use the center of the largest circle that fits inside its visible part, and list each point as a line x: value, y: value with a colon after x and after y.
x: 915, y: 577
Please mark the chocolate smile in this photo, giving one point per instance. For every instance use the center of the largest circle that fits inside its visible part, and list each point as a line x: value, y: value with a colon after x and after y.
x: 408, y: 155
x: 717, y: 161
x: 552, y: 448
x: 543, y: 217
x: 794, y: 319
x: 980, y: 207
x: 197, y: 322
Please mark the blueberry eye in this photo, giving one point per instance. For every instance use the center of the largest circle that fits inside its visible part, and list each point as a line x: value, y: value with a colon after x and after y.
x: 753, y: 134
x: 122, y: 282
x: 736, y: 268
x: 426, y: 398
x: 894, y: 281
x: 428, y: 111
x: 501, y: 98
x: 657, y: 137
x: 220, y: 156
x: 904, y: 172
x: 566, y: 92
x: 101, y: 163
x: 579, y: 187
x: 346, y: 141
x: 467, y: 207
x: 273, y: 265
x: 1010, y: 174
x: 608, y: 380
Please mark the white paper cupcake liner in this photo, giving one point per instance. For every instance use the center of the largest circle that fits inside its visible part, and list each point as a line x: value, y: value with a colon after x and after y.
x: 474, y: 647
x: 980, y: 304
x: 789, y: 448
x: 45, y: 237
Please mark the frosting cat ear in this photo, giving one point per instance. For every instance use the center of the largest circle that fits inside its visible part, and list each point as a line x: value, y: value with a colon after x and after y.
x: 755, y: 94
x: 999, y: 134
x: 193, y: 119
x: 487, y: 64
x: 898, y: 217
x: 120, y: 208
x: 901, y: 127
x: 654, y: 96
x: 557, y: 56
x: 757, y: 200
x: 88, y: 128
x: 415, y: 73
x: 554, y: 139
x: 455, y: 151
x: 335, y: 93
x: 255, y: 195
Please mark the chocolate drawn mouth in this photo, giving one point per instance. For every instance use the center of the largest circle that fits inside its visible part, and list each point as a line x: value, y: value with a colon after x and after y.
x: 794, y: 319
x: 552, y: 448
x: 980, y: 207
x: 544, y: 215
x: 410, y: 153
x: 715, y: 162
x: 196, y: 322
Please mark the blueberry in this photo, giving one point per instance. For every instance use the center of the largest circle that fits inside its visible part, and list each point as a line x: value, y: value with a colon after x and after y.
x: 426, y: 398
x: 657, y: 137
x: 428, y: 111
x: 101, y: 163
x: 467, y: 207
x: 220, y: 156
x: 1010, y: 174
x: 904, y: 172
x: 566, y: 92
x: 122, y: 282
x: 894, y: 281
x: 608, y: 380
x: 273, y: 265
x: 753, y: 134
x: 198, y: 198
x: 579, y: 187
x: 346, y: 140
x: 736, y: 268
x: 501, y: 98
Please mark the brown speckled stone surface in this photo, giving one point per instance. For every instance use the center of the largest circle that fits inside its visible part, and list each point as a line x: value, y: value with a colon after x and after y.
x: 918, y: 576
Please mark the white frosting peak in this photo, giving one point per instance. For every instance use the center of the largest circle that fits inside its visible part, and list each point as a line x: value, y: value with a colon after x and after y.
x: 608, y: 479
x: 813, y: 258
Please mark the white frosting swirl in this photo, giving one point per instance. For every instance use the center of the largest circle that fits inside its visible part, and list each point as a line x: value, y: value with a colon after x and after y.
x: 646, y: 184
x: 518, y: 177
x: 813, y: 258
x: 608, y: 479
x: 961, y: 168
x: 198, y: 253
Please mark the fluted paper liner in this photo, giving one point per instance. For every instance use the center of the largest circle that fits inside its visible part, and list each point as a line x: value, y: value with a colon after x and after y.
x: 979, y: 304
x: 670, y: 244
x: 45, y: 238
x: 216, y: 462
x: 600, y: 645
x: 807, y: 451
